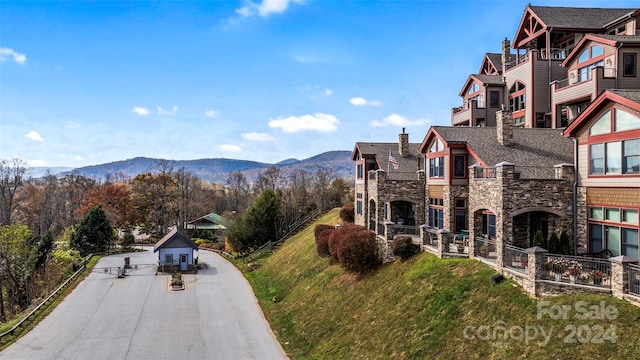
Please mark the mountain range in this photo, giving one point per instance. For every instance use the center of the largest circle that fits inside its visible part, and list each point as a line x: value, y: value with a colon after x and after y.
x: 213, y: 170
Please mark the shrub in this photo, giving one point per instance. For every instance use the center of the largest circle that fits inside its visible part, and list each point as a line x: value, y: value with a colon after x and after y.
x: 356, y: 249
x: 332, y: 245
x: 539, y: 240
x: 347, y: 214
x: 404, y: 247
x: 554, y: 244
x: 322, y: 234
x: 564, y: 243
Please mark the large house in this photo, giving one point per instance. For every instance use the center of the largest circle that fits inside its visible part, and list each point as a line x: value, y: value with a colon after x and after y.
x: 607, y: 134
x: 564, y: 57
x: 389, y: 188
x: 502, y: 182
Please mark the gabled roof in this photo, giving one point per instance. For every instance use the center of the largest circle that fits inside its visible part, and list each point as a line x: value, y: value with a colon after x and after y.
x: 174, y: 239
x: 492, y: 60
x: 211, y: 218
x: 531, y: 147
x: 482, y: 78
x: 629, y: 98
x: 407, y: 166
x: 568, y: 19
x: 611, y: 40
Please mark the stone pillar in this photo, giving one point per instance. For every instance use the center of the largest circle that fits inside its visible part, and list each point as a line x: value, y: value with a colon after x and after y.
x: 388, y: 230
x: 619, y: 280
x: 535, y: 268
x: 423, y: 235
x: 564, y: 171
x: 443, y: 242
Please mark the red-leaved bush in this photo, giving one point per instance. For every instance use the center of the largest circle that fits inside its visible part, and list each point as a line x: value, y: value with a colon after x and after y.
x: 322, y: 234
x: 356, y: 249
x: 347, y: 213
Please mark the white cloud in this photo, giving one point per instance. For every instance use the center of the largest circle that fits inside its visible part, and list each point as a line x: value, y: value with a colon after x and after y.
x: 230, y: 148
x: 304, y: 59
x: 359, y: 101
x: 37, y: 163
x: 328, y: 92
x: 398, y: 120
x: 141, y: 111
x: 78, y: 158
x: 162, y: 111
x: 265, y: 8
x: 72, y: 125
x: 33, y: 135
x: 254, y: 136
x: 210, y: 113
x: 5, y: 53
x: 317, y: 122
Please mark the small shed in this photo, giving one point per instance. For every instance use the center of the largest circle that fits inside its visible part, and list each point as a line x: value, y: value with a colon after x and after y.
x: 176, y: 252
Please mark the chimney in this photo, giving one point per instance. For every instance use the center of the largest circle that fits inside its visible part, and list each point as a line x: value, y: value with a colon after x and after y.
x: 506, y: 54
x: 403, y: 144
x: 504, y: 126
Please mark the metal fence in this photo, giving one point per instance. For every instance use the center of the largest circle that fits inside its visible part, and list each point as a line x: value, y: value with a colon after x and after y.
x: 406, y: 230
x: 486, y: 249
x: 516, y: 258
x: 578, y: 270
x: 431, y: 239
x: 634, y: 279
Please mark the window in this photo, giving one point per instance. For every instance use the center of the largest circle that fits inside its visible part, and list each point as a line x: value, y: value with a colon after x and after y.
x: 168, y: 259
x: 359, y: 170
x: 436, y: 212
x: 615, y: 229
x: 359, y: 207
x: 585, y: 72
x: 629, y: 64
x: 436, y: 167
x: 617, y: 157
x: 517, y: 97
x: 625, y: 121
x: 602, y: 125
x: 461, y: 220
x: 491, y: 226
x: 591, y: 53
x: 459, y: 166
x: 436, y: 146
x: 494, y: 99
x: 473, y: 88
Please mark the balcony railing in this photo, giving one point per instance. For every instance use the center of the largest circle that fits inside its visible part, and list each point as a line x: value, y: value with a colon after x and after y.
x: 406, y: 230
x: 519, y: 172
x: 516, y: 258
x: 486, y: 248
x: 578, y: 270
x: 634, y: 280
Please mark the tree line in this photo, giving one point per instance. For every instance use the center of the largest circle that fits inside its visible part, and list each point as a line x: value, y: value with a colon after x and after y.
x: 47, y: 224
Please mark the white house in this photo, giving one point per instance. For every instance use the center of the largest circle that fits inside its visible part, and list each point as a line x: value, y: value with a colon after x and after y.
x: 175, y: 252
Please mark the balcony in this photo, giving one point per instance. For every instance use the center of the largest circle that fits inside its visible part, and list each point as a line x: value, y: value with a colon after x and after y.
x: 573, y: 90
x: 467, y: 113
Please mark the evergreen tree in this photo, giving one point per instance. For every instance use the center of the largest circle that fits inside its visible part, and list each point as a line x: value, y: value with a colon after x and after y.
x: 94, y: 233
x: 258, y: 225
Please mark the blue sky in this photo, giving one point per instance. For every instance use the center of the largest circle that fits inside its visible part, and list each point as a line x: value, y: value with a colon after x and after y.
x: 86, y: 82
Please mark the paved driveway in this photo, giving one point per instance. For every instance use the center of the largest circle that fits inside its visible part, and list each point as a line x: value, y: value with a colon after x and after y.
x: 137, y: 317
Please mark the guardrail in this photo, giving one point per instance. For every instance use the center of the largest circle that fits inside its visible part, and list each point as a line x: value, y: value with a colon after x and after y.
x: 82, y: 266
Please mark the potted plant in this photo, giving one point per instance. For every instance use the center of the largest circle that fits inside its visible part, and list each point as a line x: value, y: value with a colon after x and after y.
x: 556, y: 266
x: 460, y: 247
x: 575, y: 268
x: 596, y: 276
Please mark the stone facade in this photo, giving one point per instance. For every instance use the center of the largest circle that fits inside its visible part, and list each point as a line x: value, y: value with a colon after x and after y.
x: 383, y: 190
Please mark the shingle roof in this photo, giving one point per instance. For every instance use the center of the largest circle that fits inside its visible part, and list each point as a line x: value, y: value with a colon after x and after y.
x: 174, y: 235
x: 579, y: 18
x: 496, y: 59
x: 490, y: 79
x: 633, y: 95
x: 407, y: 166
x: 211, y: 218
x: 531, y: 147
x: 628, y: 39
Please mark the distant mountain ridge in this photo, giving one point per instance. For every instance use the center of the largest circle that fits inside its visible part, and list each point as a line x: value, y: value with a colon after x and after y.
x: 213, y: 170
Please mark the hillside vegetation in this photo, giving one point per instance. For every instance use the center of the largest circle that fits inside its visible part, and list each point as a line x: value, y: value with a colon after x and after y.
x: 429, y: 308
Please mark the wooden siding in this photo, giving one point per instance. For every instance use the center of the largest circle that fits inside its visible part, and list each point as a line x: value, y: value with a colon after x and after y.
x: 629, y: 82
x: 614, y: 197
x: 436, y: 191
x: 522, y: 73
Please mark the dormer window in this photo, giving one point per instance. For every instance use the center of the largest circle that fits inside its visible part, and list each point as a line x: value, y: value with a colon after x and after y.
x: 473, y: 89
x: 436, y: 146
x: 517, y: 97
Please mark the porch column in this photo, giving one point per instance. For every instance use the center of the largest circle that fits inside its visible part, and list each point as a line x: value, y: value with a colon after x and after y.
x: 535, y: 269
x: 443, y: 242
x: 619, y: 280
x: 388, y: 230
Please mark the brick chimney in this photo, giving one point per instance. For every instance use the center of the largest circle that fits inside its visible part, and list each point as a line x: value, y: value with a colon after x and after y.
x: 504, y: 126
x: 506, y: 54
x: 403, y: 144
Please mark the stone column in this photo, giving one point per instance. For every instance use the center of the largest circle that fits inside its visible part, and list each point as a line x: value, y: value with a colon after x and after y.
x: 443, y: 242
x: 388, y: 230
x: 423, y: 235
x: 535, y: 268
x: 619, y: 280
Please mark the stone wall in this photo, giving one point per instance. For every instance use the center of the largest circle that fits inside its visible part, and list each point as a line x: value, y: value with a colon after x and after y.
x: 384, y: 191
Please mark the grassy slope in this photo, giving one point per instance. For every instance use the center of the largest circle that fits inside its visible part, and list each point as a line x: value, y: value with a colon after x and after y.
x: 419, y: 309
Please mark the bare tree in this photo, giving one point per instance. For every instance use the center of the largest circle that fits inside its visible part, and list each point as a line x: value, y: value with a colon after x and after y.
x: 271, y: 178
x: 11, y: 179
x: 239, y: 189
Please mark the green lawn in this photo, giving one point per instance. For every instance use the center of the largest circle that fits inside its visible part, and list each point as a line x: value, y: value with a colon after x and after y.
x: 429, y: 308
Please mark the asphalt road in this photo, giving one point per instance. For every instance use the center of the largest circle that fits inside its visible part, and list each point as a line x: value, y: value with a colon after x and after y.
x: 216, y: 317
